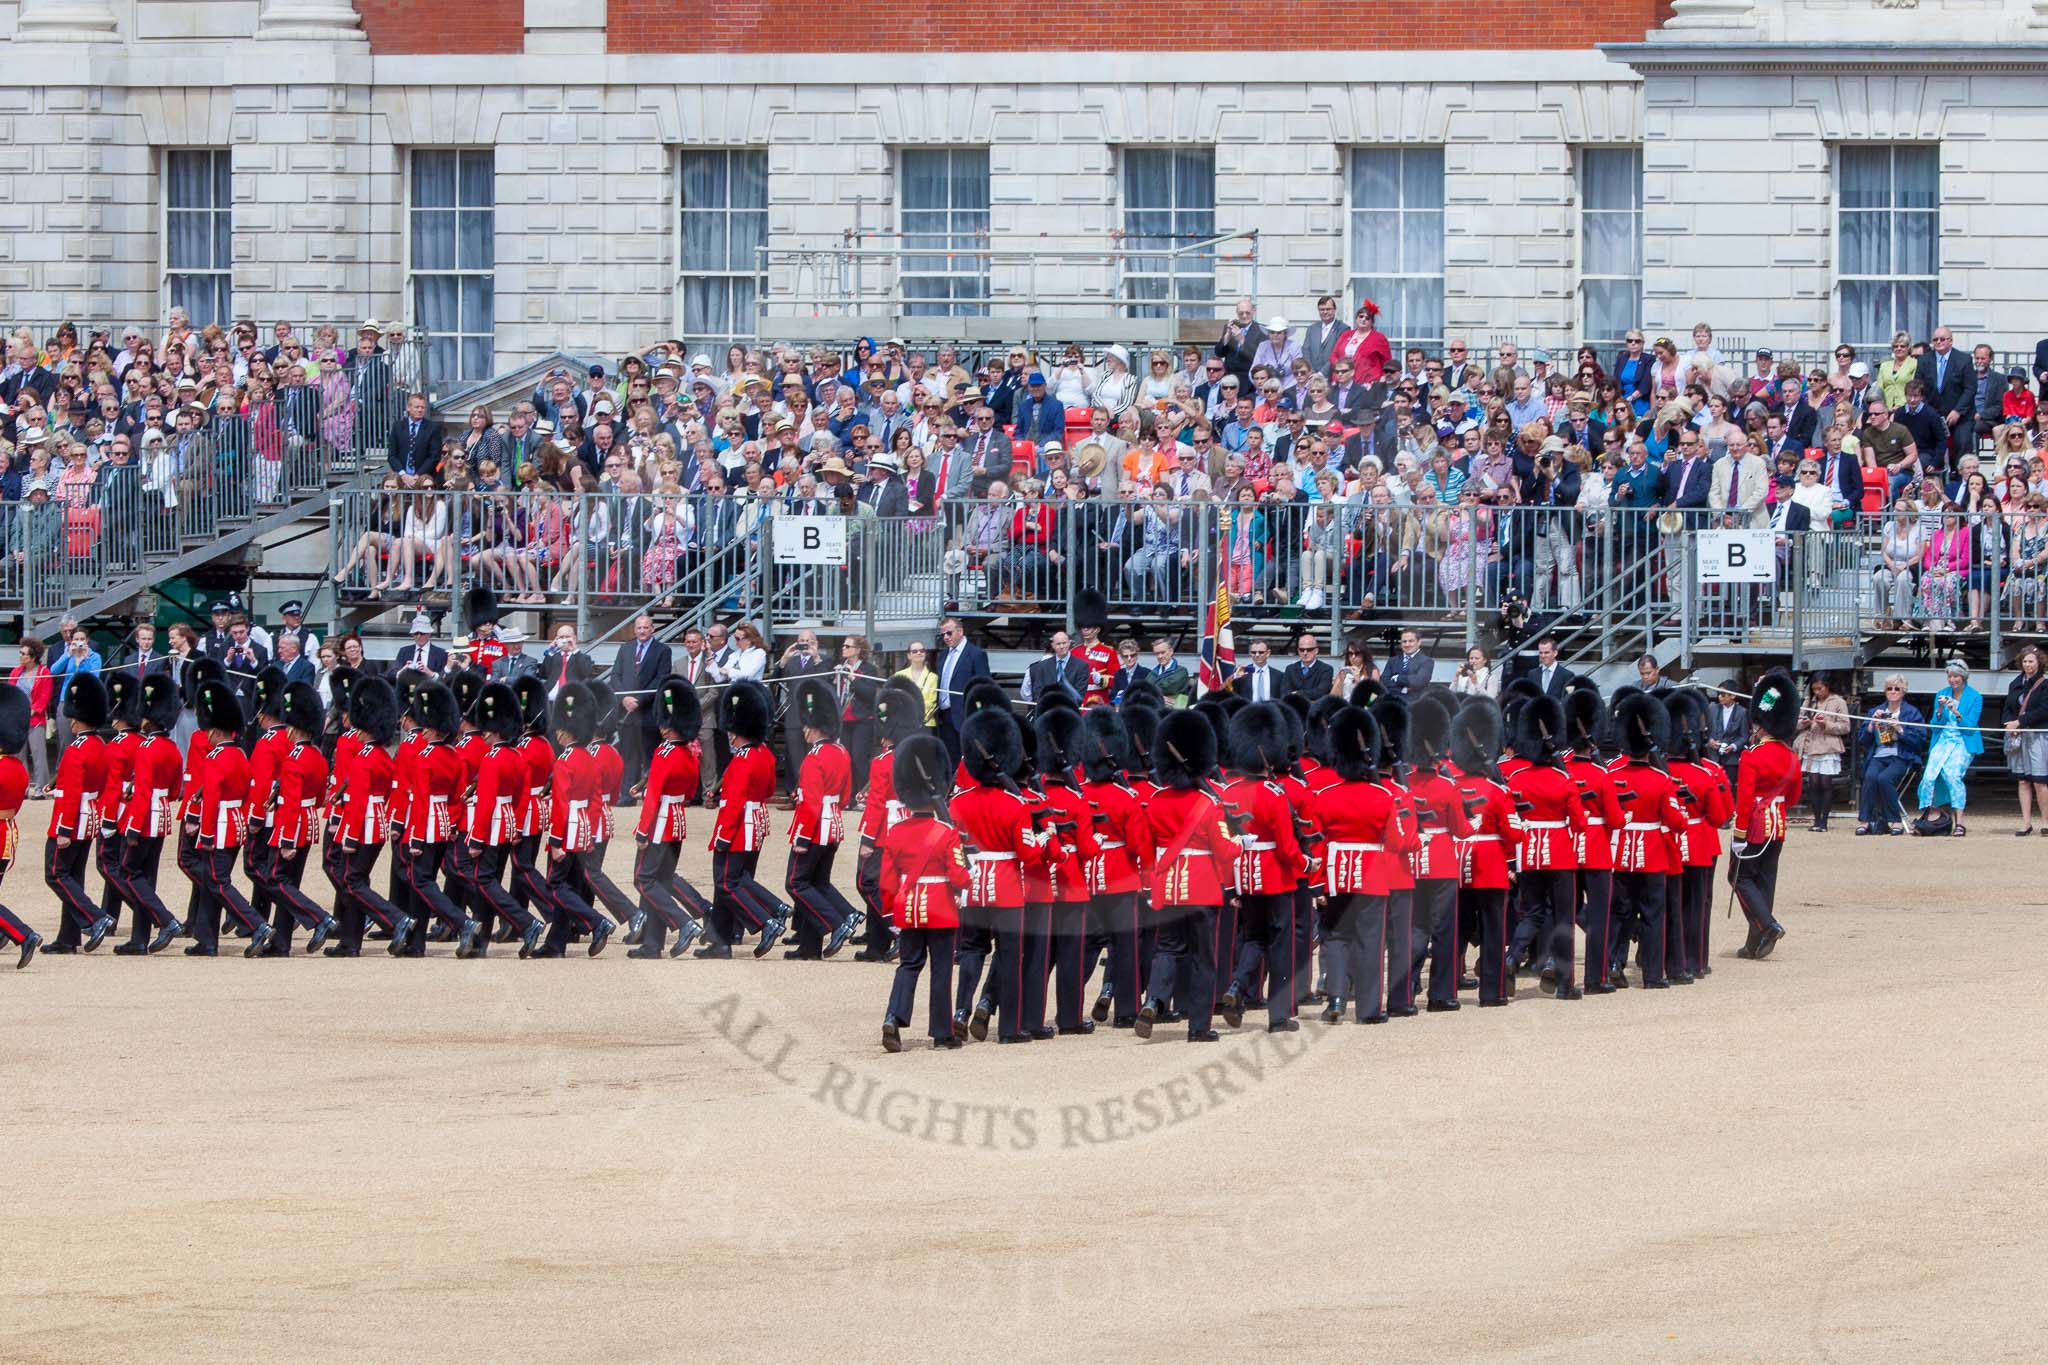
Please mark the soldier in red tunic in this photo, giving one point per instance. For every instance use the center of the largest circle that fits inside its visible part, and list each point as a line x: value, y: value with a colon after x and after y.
x: 493, y: 818
x: 14, y: 713
x: 1645, y: 851
x: 1194, y: 869
x: 999, y: 827
x: 1123, y: 859
x: 1316, y: 777
x: 740, y: 904
x: 1441, y: 822
x: 1091, y: 615
x: 1268, y: 870
x: 273, y: 741
x: 1769, y: 778
x: 1550, y: 817
x: 1403, y: 950
x: 923, y: 874
x: 217, y: 773
x: 408, y: 682
x: 1483, y: 869
x: 529, y: 885
x: 1362, y: 823
x: 436, y: 778
x: 572, y: 822
x: 480, y: 613
x: 592, y: 880
x: 1708, y: 805
x: 147, y: 816
x: 899, y: 715
x: 458, y: 865
x: 295, y: 823
x: 1071, y: 821
x: 343, y: 742
x: 666, y: 901
x: 74, y: 816
x: 365, y: 814
x: 824, y: 786
x: 124, y: 712
x: 1585, y: 720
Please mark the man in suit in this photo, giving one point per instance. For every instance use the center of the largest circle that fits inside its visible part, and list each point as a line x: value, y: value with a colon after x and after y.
x: 704, y: 668
x: 422, y: 653
x: 1309, y: 673
x: 294, y: 614
x: 637, y: 674
x: 1061, y: 666
x: 987, y: 448
x: 1738, y: 485
x: 1987, y: 398
x: 1408, y: 672
x: 297, y: 667
x: 1550, y: 675
x: 884, y: 490
x: 1240, y: 342
x: 414, y: 447
x: 1802, y: 419
x: 1686, y: 474
x: 243, y: 661
x: 1727, y: 730
x: 147, y: 658
x: 1951, y: 390
x: 563, y: 663
x: 1259, y: 680
x: 802, y: 661
x: 960, y: 662
x: 1319, y: 338
x: 516, y: 662
x: 1842, y: 476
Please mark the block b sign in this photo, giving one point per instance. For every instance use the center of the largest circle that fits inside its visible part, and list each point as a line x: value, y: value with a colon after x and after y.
x: 809, y: 540
x: 1743, y: 556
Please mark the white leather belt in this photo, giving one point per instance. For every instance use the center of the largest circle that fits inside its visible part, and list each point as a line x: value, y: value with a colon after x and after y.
x: 1545, y: 824
x: 1259, y: 846
x: 1595, y: 824
x: 991, y: 857
x: 1641, y: 825
x: 1482, y: 839
x: 932, y: 881
x: 1436, y: 829
x: 1358, y: 848
x: 1108, y: 843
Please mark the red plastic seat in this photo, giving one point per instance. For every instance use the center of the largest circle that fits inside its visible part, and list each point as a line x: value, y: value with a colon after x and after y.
x: 1023, y: 452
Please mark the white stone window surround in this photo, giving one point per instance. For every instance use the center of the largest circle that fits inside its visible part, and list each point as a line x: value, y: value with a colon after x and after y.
x: 1394, y: 198
x: 451, y: 284
x: 717, y: 267
x: 1166, y: 198
x: 196, y: 225
x: 1610, y: 242
x: 1887, y: 241
x: 951, y: 214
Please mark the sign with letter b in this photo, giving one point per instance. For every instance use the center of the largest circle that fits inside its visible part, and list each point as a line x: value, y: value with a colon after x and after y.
x: 809, y: 540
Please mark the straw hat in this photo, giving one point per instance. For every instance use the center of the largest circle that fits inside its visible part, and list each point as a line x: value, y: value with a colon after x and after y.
x: 1090, y: 459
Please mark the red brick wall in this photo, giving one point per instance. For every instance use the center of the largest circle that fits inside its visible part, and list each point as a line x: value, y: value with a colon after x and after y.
x: 1311, y: 25
x: 444, y: 25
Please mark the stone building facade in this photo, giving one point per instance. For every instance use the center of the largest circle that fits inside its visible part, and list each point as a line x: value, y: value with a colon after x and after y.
x: 1793, y: 171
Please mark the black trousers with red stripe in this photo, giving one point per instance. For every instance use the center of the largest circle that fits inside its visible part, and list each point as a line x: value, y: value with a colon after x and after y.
x: 740, y: 904
x: 1069, y: 951
x: 572, y: 912
x: 977, y: 941
x: 360, y: 902
x: 256, y: 856
x: 920, y: 946
x: 280, y: 876
x: 107, y: 857
x: 1037, y: 963
x: 1699, y: 907
x: 1639, y: 909
x: 11, y: 924
x: 1485, y: 910
x: 135, y: 881
x: 211, y: 871
x: 489, y: 901
x: 1011, y: 974
x: 1596, y: 914
x: 1113, y: 925
x: 1674, y: 926
x: 64, y: 873
x: 1436, y: 916
x: 821, y: 906
x: 597, y: 886
x: 876, y: 935
x: 1268, y: 919
x: 1184, y: 967
x: 1549, y: 900
x: 423, y: 875
x: 662, y: 894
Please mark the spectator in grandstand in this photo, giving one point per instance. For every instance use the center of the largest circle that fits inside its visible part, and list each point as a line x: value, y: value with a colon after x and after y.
x: 1900, y: 554
x: 1039, y: 416
x: 1892, y: 739
x: 1478, y: 676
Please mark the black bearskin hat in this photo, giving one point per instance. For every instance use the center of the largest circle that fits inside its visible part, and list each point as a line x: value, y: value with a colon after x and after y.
x: 480, y: 606
x: 1298, y: 703
x: 13, y: 720
x: 1297, y: 731
x: 1143, y: 692
x: 1643, y: 724
x: 1105, y: 744
x: 1316, y: 737
x: 1429, y: 731
x: 1688, y: 712
x: 1055, y: 734
x: 467, y: 686
x: 533, y: 702
x: 746, y: 711
x: 300, y: 709
x: 409, y: 681
x: 984, y: 694
x: 1091, y: 608
x: 1027, y: 752
x: 1539, y: 730
x: 1212, y: 710
x: 433, y: 708
x: 1391, y: 715
x: 991, y: 748
x: 124, y: 698
x: 920, y: 774
x: 1585, y: 717
x: 1475, y: 737
x: 817, y: 709
x: 1184, y: 749
x: 1366, y: 692
x: 1354, y: 744
x: 1141, y: 724
x: 899, y: 711
x: 1524, y: 686
x: 1258, y: 739
x: 607, y: 708
x: 198, y: 671
x: 1057, y: 695
x: 340, y: 684
x: 219, y: 709
x: 498, y: 712
x: 86, y: 700
x: 373, y: 708
x: 575, y: 713
x: 270, y: 685
x: 677, y: 708
x: 160, y: 703
x: 1776, y: 705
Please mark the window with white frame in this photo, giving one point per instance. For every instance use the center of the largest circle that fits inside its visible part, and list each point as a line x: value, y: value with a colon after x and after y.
x: 1610, y: 242
x: 1397, y: 241
x: 452, y: 259
x: 199, y: 231
x: 1888, y: 232
x: 1169, y: 207
x: 724, y: 206
x: 943, y: 197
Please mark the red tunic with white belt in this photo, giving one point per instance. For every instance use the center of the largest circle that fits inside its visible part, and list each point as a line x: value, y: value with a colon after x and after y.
x: 1123, y: 839
x: 1101, y: 661
x: 219, y: 803
x: 75, y: 796
x: 672, y: 776
x: 923, y: 874
x: 1440, y: 823
x: 1483, y: 854
x: 572, y: 812
x: 1708, y: 805
x: 996, y: 826
x: 882, y: 810
x: 745, y: 788
x: 824, y: 784
x: 611, y: 771
x: 435, y: 780
x: 264, y: 757
x: 471, y: 751
x: 1271, y: 862
x: 1400, y: 877
x: 151, y: 808
x: 1361, y: 823
x: 116, y: 785
x: 1648, y: 841
x: 500, y: 789
x: 366, y: 799
x: 1554, y: 818
x: 13, y: 791
x: 401, y: 791
x: 301, y: 779
x: 1769, y: 782
x: 539, y: 757
x: 1195, y: 862
x: 1073, y: 844
x: 346, y: 746
x: 1604, y: 813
